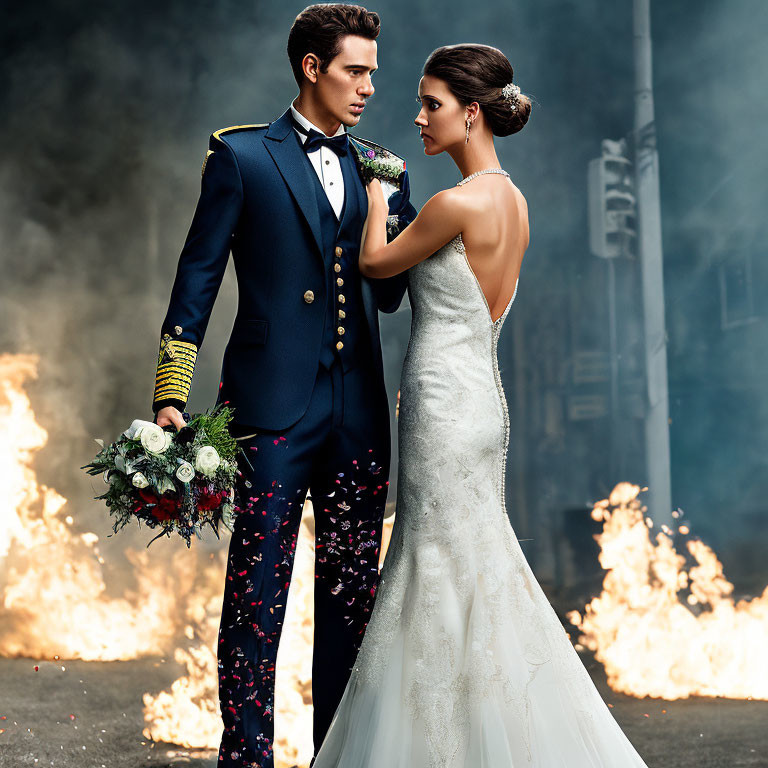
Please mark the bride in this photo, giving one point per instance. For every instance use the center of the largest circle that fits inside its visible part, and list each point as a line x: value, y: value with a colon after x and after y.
x: 464, y: 663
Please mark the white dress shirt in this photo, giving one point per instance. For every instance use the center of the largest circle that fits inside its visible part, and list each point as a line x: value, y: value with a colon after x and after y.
x: 326, y: 164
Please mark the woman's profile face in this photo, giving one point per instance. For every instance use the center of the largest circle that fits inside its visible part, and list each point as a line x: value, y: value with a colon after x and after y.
x: 441, y: 119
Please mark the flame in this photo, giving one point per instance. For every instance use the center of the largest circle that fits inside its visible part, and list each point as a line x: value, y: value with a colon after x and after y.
x: 54, y: 600
x: 665, y: 629
x: 188, y: 714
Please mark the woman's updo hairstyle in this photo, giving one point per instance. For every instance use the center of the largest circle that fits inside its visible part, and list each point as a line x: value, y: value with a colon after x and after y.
x: 478, y: 73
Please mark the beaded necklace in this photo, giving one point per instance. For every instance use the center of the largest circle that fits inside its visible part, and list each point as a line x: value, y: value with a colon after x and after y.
x: 480, y: 173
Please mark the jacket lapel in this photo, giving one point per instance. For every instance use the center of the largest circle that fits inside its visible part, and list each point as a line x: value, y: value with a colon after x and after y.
x: 355, y: 198
x: 284, y: 146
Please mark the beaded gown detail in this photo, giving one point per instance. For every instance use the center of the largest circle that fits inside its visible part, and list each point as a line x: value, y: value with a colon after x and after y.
x: 464, y: 663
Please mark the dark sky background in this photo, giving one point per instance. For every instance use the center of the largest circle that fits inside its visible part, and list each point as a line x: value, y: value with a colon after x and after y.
x: 106, y: 112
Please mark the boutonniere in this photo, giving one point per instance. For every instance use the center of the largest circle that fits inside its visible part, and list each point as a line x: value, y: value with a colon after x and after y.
x: 376, y: 162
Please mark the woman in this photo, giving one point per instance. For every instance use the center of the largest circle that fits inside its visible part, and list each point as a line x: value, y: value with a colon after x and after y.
x: 464, y: 663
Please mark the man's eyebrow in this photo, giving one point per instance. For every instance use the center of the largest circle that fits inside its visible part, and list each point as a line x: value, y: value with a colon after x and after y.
x: 360, y: 66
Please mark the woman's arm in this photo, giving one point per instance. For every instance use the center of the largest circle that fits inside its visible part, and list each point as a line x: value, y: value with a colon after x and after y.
x: 438, y: 222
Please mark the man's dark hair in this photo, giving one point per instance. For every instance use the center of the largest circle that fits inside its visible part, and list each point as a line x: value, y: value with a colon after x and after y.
x: 320, y: 28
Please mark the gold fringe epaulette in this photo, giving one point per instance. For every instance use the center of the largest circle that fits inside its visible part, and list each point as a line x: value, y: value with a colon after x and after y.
x: 175, y: 366
x: 232, y: 128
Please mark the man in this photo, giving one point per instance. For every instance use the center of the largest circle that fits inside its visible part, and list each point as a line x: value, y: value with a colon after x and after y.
x: 302, y: 369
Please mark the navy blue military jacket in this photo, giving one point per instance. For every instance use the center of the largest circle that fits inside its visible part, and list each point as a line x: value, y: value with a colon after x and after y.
x: 258, y: 202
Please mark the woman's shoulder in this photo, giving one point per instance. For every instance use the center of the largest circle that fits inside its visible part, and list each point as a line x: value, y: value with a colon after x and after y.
x: 450, y: 202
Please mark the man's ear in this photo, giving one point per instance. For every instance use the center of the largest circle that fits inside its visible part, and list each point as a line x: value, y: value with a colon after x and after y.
x: 310, y: 65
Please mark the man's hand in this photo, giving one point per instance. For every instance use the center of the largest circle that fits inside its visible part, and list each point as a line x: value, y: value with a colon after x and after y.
x: 170, y: 415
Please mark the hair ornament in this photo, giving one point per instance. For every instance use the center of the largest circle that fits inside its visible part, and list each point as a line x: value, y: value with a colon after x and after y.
x: 510, y: 92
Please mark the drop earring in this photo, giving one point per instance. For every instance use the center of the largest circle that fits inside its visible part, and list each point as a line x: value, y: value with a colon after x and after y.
x: 469, y: 125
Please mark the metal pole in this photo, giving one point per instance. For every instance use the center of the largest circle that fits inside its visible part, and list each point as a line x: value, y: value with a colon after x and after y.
x: 651, y: 259
x: 616, y: 466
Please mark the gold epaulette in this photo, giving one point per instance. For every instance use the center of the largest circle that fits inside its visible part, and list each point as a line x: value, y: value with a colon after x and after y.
x: 218, y: 134
x: 232, y: 128
x: 175, y: 366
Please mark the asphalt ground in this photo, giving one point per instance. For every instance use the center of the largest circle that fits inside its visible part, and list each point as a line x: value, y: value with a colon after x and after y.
x: 77, y: 714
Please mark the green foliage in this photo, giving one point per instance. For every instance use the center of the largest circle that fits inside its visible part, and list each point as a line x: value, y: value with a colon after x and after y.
x: 213, y: 426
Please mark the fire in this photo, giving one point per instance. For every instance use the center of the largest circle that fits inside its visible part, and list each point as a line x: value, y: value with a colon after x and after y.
x: 188, y: 715
x: 663, y: 628
x: 54, y: 601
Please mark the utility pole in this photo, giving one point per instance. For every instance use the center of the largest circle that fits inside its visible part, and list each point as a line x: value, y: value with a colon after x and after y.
x: 651, y: 261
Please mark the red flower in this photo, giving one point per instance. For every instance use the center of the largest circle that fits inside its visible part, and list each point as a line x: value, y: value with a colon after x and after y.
x: 166, y: 509
x: 147, y: 496
x: 208, y: 501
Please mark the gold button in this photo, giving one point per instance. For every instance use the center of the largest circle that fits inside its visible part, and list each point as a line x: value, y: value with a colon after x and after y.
x: 341, y: 298
x: 340, y: 330
x: 309, y: 297
x: 339, y: 281
x: 337, y: 267
x: 339, y: 345
x: 338, y: 251
x: 178, y: 329
x: 342, y: 314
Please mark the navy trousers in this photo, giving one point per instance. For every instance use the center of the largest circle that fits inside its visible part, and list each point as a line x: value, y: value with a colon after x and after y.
x: 339, y: 452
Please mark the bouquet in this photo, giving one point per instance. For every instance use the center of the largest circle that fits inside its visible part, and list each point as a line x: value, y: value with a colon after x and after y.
x: 177, y: 481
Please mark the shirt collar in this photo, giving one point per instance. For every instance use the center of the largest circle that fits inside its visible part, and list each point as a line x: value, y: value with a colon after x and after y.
x: 304, y: 123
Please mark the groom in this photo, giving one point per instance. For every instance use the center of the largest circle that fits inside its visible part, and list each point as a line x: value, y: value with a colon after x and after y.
x: 302, y: 369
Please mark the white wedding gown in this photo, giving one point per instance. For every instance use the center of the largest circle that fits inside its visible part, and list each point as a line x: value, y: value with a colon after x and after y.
x: 464, y: 663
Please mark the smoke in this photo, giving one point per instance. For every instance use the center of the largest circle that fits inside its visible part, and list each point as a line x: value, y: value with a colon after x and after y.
x: 711, y: 118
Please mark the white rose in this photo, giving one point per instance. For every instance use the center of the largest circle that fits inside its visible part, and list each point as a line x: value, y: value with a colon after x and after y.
x: 140, y: 481
x: 207, y: 460
x: 185, y: 472
x: 153, y: 438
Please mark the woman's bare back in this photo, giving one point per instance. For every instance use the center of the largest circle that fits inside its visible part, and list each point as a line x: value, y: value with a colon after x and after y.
x: 495, y: 236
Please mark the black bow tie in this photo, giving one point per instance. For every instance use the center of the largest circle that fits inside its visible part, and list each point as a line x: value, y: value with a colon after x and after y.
x: 339, y: 144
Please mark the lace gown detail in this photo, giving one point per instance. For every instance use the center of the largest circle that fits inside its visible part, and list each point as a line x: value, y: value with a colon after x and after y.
x: 464, y: 663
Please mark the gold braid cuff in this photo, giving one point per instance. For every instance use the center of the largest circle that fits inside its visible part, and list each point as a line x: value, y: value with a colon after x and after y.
x: 175, y: 366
